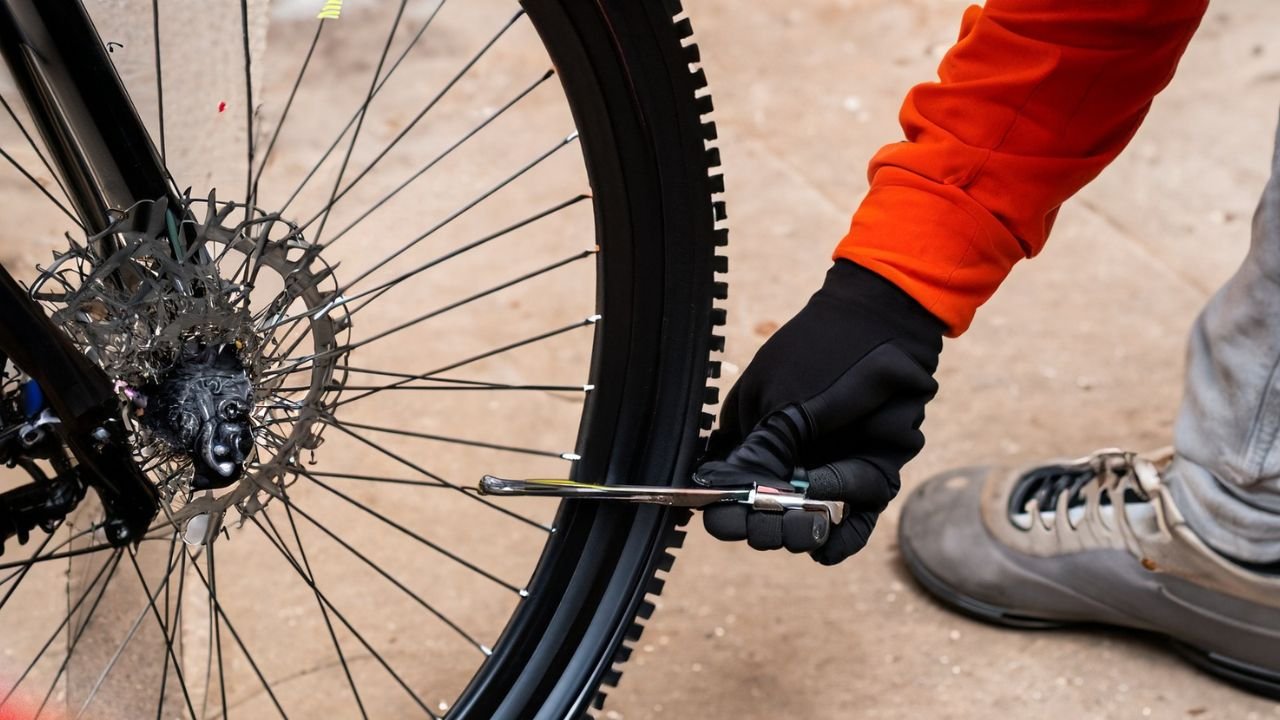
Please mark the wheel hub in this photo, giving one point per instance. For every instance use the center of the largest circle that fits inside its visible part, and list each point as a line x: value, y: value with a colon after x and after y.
x: 203, y: 333
x: 202, y: 408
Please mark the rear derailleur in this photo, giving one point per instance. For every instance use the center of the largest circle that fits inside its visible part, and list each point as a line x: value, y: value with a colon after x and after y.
x: 29, y: 434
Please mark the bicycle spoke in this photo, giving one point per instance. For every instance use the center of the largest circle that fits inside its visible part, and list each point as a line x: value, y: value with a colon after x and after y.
x: 133, y: 629
x: 155, y: 35
x: 61, y: 555
x: 568, y: 139
x: 217, y: 623
x: 249, y: 112
x: 168, y: 636
x: 293, y: 364
x: 333, y: 636
x: 239, y: 643
x: 43, y: 190
x: 410, y: 533
x: 363, y: 114
x: 75, y: 640
x: 174, y: 623
x: 22, y: 573
x: 438, y: 484
x: 531, y: 340
x: 441, y: 156
x: 288, y: 557
x: 376, y: 478
x: 336, y: 141
x: 463, y: 441
x: 333, y: 199
x: 284, y: 113
x: 112, y: 562
x: 169, y: 651
x: 343, y: 349
x: 466, y: 492
x: 445, y: 388
x: 208, y: 664
x: 378, y: 569
x: 340, y: 299
x: 32, y: 143
x: 293, y: 345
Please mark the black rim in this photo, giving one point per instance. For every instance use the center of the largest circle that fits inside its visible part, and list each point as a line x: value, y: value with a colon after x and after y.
x: 564, y: 639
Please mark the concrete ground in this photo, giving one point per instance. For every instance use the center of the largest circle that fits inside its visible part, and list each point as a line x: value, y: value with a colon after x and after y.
x: 1081, y: 349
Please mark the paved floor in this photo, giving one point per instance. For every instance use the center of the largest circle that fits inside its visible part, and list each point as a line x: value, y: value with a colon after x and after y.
x: 1082, y: 348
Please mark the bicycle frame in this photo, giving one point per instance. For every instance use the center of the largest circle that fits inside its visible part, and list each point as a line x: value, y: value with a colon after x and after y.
x: 103, y: 154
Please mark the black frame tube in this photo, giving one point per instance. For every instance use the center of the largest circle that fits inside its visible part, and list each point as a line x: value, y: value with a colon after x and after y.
x: 99, y: 146
x: 97, y: 142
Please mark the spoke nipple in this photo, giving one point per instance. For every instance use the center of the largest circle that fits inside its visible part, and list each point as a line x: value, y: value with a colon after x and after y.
x: 524, y: 592
x: 594, y: 318
x: 486, y: 650
x: 588, y: 388
x: 571, y: 137
x: 570, y: 456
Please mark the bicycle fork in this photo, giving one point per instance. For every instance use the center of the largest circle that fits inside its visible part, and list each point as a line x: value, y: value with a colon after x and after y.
x: 88, y: 414
x: 105, y: 159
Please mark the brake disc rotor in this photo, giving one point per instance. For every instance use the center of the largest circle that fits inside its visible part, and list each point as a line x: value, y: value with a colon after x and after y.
x: 196, y: 322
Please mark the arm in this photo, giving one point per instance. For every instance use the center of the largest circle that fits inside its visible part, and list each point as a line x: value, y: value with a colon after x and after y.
x: 1035, y: 99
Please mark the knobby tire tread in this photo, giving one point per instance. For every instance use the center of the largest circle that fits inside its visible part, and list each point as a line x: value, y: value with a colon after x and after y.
x: 675, y: 533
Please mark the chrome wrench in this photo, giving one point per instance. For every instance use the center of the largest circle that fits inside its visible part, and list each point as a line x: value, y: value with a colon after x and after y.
x: 758, y: 497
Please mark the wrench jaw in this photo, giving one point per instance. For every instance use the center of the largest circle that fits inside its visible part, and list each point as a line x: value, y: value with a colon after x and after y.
x: 771, y: 499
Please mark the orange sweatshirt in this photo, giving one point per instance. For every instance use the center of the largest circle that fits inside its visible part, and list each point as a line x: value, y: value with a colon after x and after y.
x: 1032, y: 102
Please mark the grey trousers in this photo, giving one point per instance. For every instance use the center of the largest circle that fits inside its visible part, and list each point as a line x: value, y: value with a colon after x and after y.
x: 1225, y: 477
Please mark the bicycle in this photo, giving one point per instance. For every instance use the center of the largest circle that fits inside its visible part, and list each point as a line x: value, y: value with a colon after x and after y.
x: 195, y: 372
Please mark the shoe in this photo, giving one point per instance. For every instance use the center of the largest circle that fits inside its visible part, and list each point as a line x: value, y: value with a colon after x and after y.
x: 1096, y: 540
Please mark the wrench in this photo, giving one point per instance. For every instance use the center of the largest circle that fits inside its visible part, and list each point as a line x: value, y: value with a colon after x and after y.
x: 759, y: 497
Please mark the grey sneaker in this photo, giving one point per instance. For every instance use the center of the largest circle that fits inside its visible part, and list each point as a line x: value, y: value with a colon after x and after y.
x: 1097, y: 540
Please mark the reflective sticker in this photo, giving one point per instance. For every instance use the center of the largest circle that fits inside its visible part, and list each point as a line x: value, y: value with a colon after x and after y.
x: 332, y: 9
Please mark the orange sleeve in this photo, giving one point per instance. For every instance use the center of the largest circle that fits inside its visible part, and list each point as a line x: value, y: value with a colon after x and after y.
x: 1035, y: 99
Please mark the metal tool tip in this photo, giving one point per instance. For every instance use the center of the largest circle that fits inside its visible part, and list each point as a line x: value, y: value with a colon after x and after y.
x: 490, y: 485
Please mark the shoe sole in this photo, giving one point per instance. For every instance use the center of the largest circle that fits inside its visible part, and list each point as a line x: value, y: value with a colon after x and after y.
x: 1243, y: 675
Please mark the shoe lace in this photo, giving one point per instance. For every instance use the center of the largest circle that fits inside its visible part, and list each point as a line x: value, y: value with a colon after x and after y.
x: 1040, y: 490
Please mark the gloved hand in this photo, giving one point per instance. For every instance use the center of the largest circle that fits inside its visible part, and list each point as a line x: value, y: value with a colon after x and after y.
x: 834, y: 398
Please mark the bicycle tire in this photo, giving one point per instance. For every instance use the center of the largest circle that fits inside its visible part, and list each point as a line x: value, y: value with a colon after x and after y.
x: 632, y: 74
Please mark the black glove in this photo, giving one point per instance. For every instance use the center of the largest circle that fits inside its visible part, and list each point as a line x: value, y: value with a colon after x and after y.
x: 834, y: 398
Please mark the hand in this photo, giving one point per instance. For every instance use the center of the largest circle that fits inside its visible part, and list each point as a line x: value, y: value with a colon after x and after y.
x: 835, y: 398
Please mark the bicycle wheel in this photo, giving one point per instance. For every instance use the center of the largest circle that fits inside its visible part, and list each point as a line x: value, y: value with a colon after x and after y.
x: 448, y: 239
